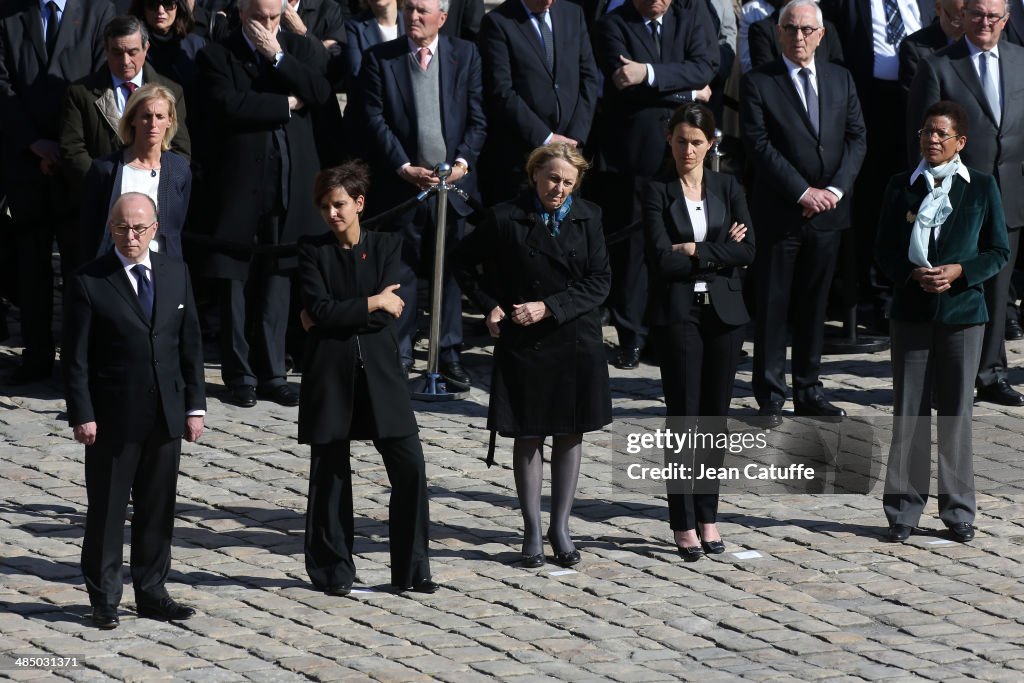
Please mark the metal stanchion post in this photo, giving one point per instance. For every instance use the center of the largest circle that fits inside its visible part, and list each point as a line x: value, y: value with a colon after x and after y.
x: 716, y: 152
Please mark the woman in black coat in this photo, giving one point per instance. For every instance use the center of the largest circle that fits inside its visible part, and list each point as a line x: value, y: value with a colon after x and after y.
x: 696, y: 227
x: 545, y: 274
x: 354, y: 388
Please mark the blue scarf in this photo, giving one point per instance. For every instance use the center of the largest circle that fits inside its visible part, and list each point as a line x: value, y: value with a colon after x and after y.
x: 553, y: 221
x: 934, y: 210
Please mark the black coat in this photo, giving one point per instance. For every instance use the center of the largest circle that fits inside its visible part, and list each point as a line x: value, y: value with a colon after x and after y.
x: 344, y: 331
x: 917, y: 47
x: 244, y: 107
x: 550, y: 377
x: 718, y: 259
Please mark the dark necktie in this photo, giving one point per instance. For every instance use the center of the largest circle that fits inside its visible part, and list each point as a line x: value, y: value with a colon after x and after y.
x: 895, y: 31
x: 810, y: 97
x: 51, y: 29
x: 129, y: 88
x: 145, y: 290
x: 655, y: 27
x: 547, y: 40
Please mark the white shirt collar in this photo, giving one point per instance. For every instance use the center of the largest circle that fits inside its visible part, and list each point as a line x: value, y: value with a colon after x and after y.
x: 432, y: 47
x: 128, y: 265
x: 61, y: 4
x: 119, y: 82
x: 974, y: 50
x: 919, y: 171
x: 794, y: 68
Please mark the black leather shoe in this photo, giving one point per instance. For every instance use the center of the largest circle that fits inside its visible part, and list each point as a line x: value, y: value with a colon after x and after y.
x: 1001, y: 393
x: 899, y: 533
x: 243, y: 395
x: 339, y: 591
x: 690, y: 554
x: 454, y: 372
x: 713, y: 547
x: 1013, y: 331
x: 282, y: 394
x: 628, y: 358
x: 962, y: 532
x: 533, y: 561
x: 818, y: 407
x: 166, y: 609
x: 424, y: 586
x: 28, y: 373
x: 771, y: 414
x: 105, y: 618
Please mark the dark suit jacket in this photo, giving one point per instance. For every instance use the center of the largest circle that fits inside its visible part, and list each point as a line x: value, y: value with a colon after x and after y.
x: 245, y: 106
x: 786, y: 154
x: 464, y: 17
x: 115, y: 360
x: 103, y: 185
x: 323, y: 20
x: 32, y: 89
x: 89, y: 120
x: 632, y: 138
x: 390, y: 115
x: 718, y: 259
x: 1014, y: 29
x: 949, y: 75
x: 525, y: 101
x: 917, y: 47
x: 344, y: 333
x: 763, y: 41
x: 361, y: 34
x: 853, y: 23
x: 974, y: 236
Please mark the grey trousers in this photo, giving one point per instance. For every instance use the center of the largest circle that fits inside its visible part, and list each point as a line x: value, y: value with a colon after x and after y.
x: 932, y: 358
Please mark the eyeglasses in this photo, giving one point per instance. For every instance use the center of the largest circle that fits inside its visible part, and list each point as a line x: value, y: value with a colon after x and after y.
x: 792, y: 29
x: 977, y: 17
x: 937, y: 133
x: 122, y: 229
x: 168, y: 5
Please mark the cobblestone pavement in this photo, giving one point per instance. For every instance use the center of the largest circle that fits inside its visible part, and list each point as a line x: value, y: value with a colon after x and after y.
x: 807, y: 592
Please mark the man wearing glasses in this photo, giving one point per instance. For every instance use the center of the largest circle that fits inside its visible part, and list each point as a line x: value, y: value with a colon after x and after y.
x: 803, y: 129
x: 982, y: 74
x: 133, y: 363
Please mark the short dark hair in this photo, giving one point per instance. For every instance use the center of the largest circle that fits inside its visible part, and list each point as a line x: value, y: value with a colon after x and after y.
x: 122, y: 26
x: 184, y: 20
x: 353, y: 176
x: 954, y: 111
x: 693, y: 114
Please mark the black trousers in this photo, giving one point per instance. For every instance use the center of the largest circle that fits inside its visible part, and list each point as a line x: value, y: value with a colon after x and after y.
x: 148, y: 472
x: 698, y: 369
x: 992, y: 366
x: 329, y: 522
x: 796, y: 266
x: 627, y: 301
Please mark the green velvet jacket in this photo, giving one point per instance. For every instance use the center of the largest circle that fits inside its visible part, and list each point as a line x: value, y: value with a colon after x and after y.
x: 974, y: 236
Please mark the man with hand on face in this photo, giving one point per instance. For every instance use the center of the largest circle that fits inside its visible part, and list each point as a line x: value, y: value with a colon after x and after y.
x: 983, y: 74
x: 803, y: 130
x: 133, y: 366
x: 423, y: 105
x: 258, y: 88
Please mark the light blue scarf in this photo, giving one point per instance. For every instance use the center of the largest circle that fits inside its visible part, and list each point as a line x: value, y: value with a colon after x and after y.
x: 934, y: 209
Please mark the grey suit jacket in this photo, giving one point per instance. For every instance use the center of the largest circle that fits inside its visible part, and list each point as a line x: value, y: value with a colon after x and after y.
x: 949, y: 74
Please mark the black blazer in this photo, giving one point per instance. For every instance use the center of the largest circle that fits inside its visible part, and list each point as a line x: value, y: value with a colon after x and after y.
x: 103, y: 185
x: 245, y: 107
x: 718, y: 259
x: 344, y: 333
x: 525, y: 101
x: 390, y: 115
x: 1014, y: 29
x: 917, y: 47
x: 949, y: 75
x: 763, y: 40
x: 32, y: 88
x: 853, y: 23
x: 115, y: 359
x: 464, y: 17
x: 362, y: 33
x: 787, y: 155
x: 632, y: 137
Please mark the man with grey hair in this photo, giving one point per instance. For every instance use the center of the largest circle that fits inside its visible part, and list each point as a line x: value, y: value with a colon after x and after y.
x: 803, y: 129
x: 422, y: 96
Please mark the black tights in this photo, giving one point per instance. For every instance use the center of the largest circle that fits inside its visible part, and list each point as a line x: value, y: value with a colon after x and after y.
x: 528, y: 466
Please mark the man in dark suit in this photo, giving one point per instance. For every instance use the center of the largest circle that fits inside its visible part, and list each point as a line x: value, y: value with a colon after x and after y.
x: 654, y: 55
x: 93, y: 106
x: 258, y: 88
x: 464, y: 19
x: 803, y: 129
x: 983, y: 74
x: 423, y: 104
x: 932, y: 38
x: 540, y: 86
x: 871, y: 33
x: 133, y: 363
x: 41, y: 53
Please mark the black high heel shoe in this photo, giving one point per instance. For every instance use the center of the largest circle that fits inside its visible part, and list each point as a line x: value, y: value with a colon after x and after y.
x: 532, y: 561
x: 711, y: 547
x: 564, y: 559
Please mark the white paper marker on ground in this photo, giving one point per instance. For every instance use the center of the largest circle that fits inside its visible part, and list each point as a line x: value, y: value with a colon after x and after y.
x: 562, y: 572
x: 746, y: 555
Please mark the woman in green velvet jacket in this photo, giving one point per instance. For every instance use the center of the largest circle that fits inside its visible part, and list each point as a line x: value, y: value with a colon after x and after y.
x: 941, y: 234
